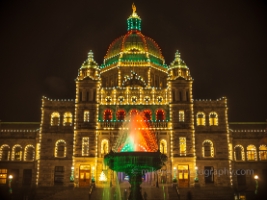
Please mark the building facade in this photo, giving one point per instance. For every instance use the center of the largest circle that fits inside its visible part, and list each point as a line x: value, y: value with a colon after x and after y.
x: 73, y: 136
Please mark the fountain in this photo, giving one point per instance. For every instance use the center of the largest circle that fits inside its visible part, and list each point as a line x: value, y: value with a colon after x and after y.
x: 135, y: 153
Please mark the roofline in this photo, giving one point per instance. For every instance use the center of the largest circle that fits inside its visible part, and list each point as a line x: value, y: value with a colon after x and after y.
x: 20, y: 122
x: 247, y: 122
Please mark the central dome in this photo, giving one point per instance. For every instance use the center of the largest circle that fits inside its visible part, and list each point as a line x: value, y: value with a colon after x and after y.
x: 134, y: 48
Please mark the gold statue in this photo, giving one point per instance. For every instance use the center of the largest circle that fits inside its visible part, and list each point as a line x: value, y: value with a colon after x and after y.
x: 134, y: 8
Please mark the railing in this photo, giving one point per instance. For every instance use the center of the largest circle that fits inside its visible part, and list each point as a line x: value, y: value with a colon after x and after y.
x: 108, y: 124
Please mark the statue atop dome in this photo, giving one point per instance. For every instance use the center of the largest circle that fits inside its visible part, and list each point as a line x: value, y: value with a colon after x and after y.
x: 134, y: 8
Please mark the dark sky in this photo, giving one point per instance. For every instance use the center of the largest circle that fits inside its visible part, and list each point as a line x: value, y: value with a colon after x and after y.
x: 44, y: 42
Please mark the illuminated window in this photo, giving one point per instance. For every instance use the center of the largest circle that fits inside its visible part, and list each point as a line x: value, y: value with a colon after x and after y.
x: 60, y: 149
x: 55, y: 119
x: 86, y: 116
x: 251, y: 153
x: 239, y: 153
x: 182, y: 142
x: 207, y: 149
x: 85, y: 146
x: 201, y: 119
x: 5, y: 152
x: 263, y: 152
x: 16, y: 153
x: 181, y: 116
x: 163, y: 146
x: 3, y: 176
x: 107, y: 115
x: 160, y: 115
x: 67, y: 119
x: 104, y: 146
x: 29, y: 153
x: 121, y: 114
x: 147, y: 114
x: 213, y: 118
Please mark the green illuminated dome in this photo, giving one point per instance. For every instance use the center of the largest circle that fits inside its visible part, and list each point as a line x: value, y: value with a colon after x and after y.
x: 134, y: 48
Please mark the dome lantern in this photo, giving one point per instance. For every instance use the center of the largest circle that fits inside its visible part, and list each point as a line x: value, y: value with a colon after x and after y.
x: 134, y: 21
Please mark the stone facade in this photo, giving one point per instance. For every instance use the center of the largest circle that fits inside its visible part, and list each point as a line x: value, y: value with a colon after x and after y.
x: 74, y: 135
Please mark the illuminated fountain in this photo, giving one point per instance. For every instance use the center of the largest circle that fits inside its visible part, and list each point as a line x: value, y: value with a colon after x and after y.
x: 135, y: 153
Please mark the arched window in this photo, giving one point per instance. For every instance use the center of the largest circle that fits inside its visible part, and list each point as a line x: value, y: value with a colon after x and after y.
x: 263, y: 152
x: 207, y: 148
x: 29, y: 153
x: 60, y: 149
x: 251, y: 153
x: 181, y: 116
x: 160, y: 115
x: 108, y: 115
x: 133, y: 113
x: 16, y: 153
x: 121, y: 114
x: 67, y: 119
x: 104, y: 146
x: 5, y: 152
x: 163, y: 146
x: 239, y: 153
x: 147, y: 114
x: 86, y: 116
x: 55, y: 119
x: 201, y: 119
x: 213, y: 119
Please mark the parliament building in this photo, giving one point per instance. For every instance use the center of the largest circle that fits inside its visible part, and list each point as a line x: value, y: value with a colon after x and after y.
x: 69, y: 143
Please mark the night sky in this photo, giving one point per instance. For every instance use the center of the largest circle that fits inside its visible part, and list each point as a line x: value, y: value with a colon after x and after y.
x: 44, y: 42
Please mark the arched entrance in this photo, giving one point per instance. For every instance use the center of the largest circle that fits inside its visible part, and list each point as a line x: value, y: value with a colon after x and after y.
x: 85, y: 175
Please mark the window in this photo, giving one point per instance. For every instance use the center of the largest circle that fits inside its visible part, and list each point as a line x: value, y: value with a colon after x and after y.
x: 27, y: 177
x: 134, y: 99
x: 60, y: 149
x: 181, y: 116
x: 59, y: 175
x: 251, y: 153
x: 160, y: 115
x: 16, y: 153
x: 201, y: 119
x: 182, y: 141
x: 5, y: 152
x: 3, y: 176
x: 86, y: 116
x: 263, y: 152
x: 147, y: 114
x: 67, y: 119
x: 107, y: 115
x: 239, y: 153
x: 133, y: 113
x: 163, y: 146
x: 104, y: 146
x: 209, y: 174
x: 85, y: 146
x: 207, y: 149
x: 213, y: 119
x: 29, y: 153
x: 241, y: 177
x: 120, y: 114
x: 55, y: 119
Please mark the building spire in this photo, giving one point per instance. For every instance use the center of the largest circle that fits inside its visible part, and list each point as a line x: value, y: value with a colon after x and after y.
x: 134, y: 21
